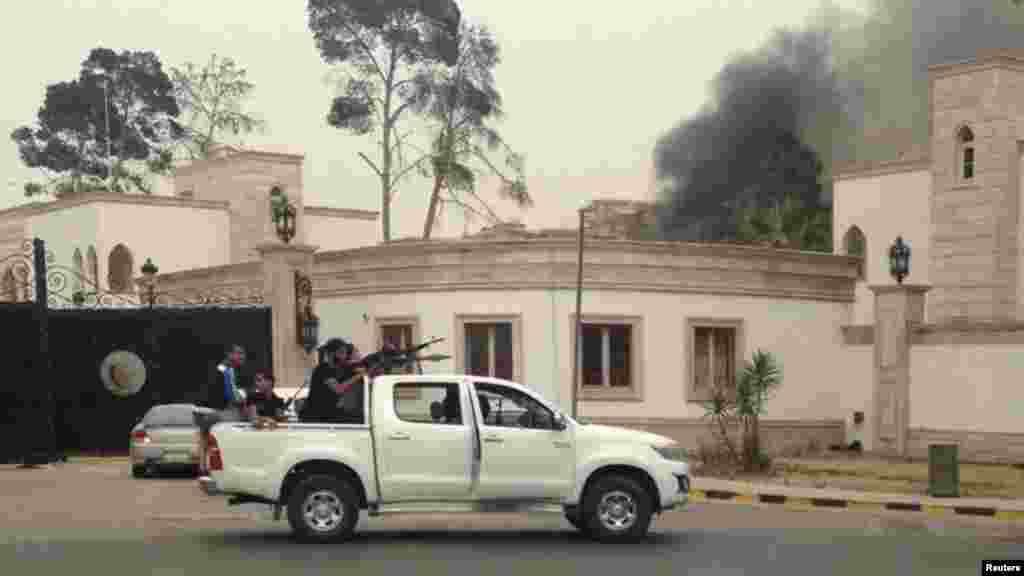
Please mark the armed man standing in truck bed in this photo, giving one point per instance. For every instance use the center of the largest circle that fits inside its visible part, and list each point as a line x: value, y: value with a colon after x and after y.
x: 334, y: 393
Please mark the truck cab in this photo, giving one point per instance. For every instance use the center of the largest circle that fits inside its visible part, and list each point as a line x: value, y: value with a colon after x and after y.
x: 450, y: 443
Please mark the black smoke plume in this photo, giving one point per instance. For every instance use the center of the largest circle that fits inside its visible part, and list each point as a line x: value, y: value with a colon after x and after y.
x: 847, y: 87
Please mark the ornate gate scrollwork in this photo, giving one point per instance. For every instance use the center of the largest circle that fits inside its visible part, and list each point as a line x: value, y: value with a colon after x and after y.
x: 216, y: 297
x: 17, y: 275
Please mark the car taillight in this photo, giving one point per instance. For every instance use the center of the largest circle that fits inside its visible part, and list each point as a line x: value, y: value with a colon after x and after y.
x: 213, y: 459
x: 140, y: 436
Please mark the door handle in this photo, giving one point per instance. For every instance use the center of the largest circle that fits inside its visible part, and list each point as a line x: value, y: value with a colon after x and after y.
x: 398, y: 436
x: 493, y: 439
x: 562, y: 444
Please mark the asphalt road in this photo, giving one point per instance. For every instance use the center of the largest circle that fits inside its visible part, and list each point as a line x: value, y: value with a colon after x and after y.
x: 87, y: 519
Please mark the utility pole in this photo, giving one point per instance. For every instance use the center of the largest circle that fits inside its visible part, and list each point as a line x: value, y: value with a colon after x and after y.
x: 106, y: 114
x: 579, y: 320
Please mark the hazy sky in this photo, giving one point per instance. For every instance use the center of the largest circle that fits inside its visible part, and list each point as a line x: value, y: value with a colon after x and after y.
x: 588, y: 85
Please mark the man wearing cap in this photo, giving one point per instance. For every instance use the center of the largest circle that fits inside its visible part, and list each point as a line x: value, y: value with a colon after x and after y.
x: 334, y: 391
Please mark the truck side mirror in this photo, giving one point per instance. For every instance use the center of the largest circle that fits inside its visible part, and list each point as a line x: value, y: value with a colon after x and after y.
x: 560, y: 423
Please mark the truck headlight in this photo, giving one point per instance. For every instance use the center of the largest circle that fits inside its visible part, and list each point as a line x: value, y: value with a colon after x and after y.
x: 673, y: 452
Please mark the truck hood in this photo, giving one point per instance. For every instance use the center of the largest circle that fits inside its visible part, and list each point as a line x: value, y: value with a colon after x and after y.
x: 622, y: 434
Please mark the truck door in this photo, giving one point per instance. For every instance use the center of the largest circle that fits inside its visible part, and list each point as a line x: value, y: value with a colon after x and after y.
x: 425, y: 442
x: 523, y: 456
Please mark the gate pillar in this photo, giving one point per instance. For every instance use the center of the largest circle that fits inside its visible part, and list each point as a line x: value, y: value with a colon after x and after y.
x: 280, y: 262
x: 898, y: 308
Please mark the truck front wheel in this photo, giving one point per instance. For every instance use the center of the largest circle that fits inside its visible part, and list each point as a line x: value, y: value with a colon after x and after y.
x: 323, y: 509
x: 617, y: 509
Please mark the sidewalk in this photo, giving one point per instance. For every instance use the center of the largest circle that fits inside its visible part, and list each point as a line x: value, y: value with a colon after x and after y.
x: 713, y: 489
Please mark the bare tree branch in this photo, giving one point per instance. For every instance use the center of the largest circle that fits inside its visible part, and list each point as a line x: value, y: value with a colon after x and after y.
x: 371, y: 164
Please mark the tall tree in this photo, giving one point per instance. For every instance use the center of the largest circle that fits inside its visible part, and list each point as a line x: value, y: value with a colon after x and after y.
x: 211, y: 98
x: 110, y: 129
x: 386, y: 50
x: 464, y: 103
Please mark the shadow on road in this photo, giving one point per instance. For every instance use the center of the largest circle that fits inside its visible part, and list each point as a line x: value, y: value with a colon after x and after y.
x: 492, y: 539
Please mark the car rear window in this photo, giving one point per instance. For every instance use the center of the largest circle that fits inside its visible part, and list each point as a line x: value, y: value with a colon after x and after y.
x: 167, y: 416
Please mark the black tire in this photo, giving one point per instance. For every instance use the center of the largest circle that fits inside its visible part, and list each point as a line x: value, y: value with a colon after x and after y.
x: 330, y: 488
x: 138, y: 471
x: 630, y: 523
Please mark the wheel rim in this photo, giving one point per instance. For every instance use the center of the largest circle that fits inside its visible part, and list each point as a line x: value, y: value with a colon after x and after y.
x: 323, y: 511
x: 617, y: 511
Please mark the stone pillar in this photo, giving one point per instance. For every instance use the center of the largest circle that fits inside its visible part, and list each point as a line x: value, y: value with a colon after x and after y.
x: 280, y: 262
x: 897, y: 308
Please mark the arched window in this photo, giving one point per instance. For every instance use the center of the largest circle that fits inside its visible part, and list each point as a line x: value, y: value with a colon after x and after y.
x: 78, y: 265
x: 855, y: 244
x: 965, y: 153
x: 92, y: 270
x: 120, y: 266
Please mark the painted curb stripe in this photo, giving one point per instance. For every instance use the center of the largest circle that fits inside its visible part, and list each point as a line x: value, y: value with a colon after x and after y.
x: 719, y: 495
x: 1010, y: 515
x: 974, y: 511
x: 834, y: 503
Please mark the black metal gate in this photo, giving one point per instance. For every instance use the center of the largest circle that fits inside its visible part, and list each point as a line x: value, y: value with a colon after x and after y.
x: 54, y: 396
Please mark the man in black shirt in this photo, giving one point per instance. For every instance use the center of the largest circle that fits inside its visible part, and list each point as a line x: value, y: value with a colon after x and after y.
x: 262, y: 401
x: 335, y: 389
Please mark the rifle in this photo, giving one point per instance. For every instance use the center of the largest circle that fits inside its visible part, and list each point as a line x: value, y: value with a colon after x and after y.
x: 384, y: 360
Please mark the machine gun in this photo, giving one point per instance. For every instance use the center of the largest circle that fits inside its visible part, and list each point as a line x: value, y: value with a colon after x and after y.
x: 386, y: 360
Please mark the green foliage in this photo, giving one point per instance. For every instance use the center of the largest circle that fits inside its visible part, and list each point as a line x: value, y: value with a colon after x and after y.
x: 755, y: 383
x: 212, y: 97
x: 70, y: 139
x: 387, y: 51
x: 787, y: 224
x: 463, y: 104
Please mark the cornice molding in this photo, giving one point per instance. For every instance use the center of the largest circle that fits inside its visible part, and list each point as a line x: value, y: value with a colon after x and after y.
x: 550, y: 264
x: 881, y: 168
x: 242, y: 273
x: 347, y: 213
x: 75, y: 200
x: 239, y: 155
x: 984, y: 60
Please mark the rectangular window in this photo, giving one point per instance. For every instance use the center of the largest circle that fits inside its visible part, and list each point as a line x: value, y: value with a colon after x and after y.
x: 428, y: 403
x: 713, y: 359
x: 607, y: 356
x: 401, y: 333
x: 489, y: 349
x: 968, y: 163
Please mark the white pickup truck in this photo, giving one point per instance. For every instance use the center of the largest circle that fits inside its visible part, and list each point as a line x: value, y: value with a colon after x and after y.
x: 449, y: 443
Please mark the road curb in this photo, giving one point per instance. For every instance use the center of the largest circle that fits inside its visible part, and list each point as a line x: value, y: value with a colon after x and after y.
x: 804, y: 503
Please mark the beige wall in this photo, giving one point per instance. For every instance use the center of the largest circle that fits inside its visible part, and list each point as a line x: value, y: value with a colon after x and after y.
x: 973, y: 388
x: 884, y: 205
x: 823, y: 378
x: 662, y: 285
x: 336, y: 229
x: 175, y: 237
x: 64, y: 231
x: 244, y: 181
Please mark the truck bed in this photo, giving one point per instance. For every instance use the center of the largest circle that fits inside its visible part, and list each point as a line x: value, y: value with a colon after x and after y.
x: 256, y: 459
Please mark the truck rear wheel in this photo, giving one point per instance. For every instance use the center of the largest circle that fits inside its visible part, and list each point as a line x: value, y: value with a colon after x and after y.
x: 617, y: 509
x: 323, y: 509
